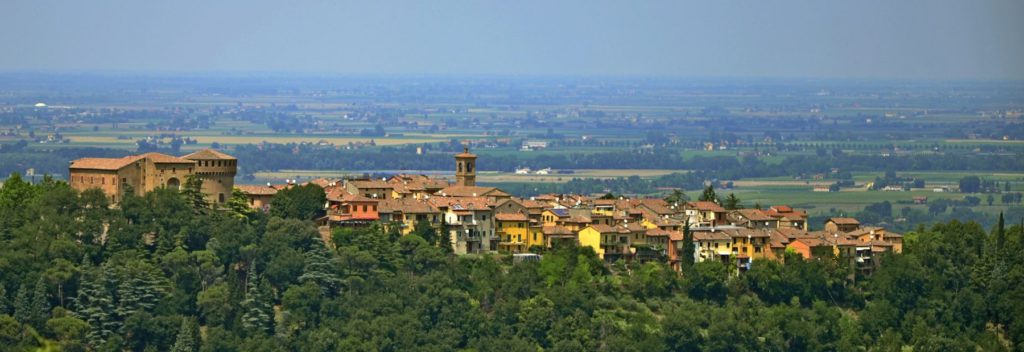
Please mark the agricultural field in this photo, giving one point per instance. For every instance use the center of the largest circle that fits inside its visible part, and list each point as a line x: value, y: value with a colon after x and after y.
x: 772, y: 140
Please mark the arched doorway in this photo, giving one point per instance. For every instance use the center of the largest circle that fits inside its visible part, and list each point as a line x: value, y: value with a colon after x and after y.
x: 173, y: 183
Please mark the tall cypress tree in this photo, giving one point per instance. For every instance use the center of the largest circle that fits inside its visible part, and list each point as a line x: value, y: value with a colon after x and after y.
x: 40, y: 303
x: 1000, y: 233
x: 3, y: 300
x: 256, y: 310
x: 192, y: 190
x: 23, y: 305
x: 186, y: 340
x: 95, y: 306
x: 687, y: 252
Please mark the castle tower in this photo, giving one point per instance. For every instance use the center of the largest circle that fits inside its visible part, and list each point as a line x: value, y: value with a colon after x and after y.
x: 217, y: 170
x: 465, y: 168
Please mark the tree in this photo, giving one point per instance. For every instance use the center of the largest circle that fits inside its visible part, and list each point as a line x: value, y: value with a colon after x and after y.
x: 304, y: 202
x: 426, y: 231
x: 970, y: 184
x: 1000, y: 233
x: 3, y: 300
x: 320, y: 267
x: 192, y: 190
x: 990, y: 199
x: 256, y: 311
x: 677, y: 196
x: 709, y: 194
x: 187, y: 340
x: 70, y: 332
x: 40, y: 304
x: 141, y: 288
x: 732, y: 203
x: 687, y: 253
x: 23, y: 305
x: 95, y: 306
x: 238, y: 205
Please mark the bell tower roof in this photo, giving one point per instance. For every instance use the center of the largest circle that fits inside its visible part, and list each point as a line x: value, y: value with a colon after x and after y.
x: 465, y: 154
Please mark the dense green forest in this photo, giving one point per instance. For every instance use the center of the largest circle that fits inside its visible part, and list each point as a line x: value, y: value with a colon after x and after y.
x: 164, y: 272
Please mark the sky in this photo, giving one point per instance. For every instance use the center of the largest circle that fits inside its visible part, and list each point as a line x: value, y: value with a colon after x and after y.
x: 916, y: 39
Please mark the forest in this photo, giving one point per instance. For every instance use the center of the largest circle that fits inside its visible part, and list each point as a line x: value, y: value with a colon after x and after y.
x: 166, y: 272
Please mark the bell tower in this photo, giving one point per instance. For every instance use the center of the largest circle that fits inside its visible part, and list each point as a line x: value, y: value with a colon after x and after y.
x: 465, y: 168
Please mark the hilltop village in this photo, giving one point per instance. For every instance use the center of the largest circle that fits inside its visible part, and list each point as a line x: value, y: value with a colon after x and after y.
x: 481, y: 219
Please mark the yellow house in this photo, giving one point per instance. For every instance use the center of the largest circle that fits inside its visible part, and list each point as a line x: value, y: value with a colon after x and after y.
x: 513, y: 232
x: 406, y: 213
x: 552, y: 217
x: 535, y: 236
x: 712, y: 245
x: 591, y: 237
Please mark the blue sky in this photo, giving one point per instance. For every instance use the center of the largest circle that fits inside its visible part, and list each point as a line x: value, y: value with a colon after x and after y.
x: 934, y: 39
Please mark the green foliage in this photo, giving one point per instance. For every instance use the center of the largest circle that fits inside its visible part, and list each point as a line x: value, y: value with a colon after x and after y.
x: 708, y: 195
x: 304, y: 202
x: 23, y: 306
x: 732, y: 202
x: 238, y: 205
x: 192, y: 191
x: 147, y: 276
x: 187, y: 340
x: 257, y: 315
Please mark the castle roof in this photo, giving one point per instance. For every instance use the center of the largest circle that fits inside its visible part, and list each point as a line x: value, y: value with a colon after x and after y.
x: 208, y: 154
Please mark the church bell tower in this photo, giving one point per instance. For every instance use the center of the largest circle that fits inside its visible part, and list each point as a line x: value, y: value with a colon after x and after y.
x: 465, y: 168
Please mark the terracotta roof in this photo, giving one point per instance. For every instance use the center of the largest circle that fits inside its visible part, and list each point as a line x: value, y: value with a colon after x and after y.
x: 675, y: 235
x: 658, y: 206
x: 656, y: 232
x: 843, y: 221
x: 510, y: 217
x: 465, y: 154
x: 744, y: 232
x: 753, y: 215
x: 577, y: 220
x: 461, y: 203
x: 406, y: 206
x: 353, y: 198
x: 710, y: 236
x: 813, y: 242
x: 707, y: 206
x: 556, y: 231
x: 470, y: 191
x: 866, y: 231
x: 633, y: 227
x: 257, y: 190
x: 791, y: 233
x: 366, y: 184
x: 208, y: 154
x: 104, y: 163
x: 602, y: 228
x: 158, y: 158
x: 778, y: 240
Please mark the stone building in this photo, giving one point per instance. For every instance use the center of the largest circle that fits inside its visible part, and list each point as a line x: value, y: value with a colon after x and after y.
x: 142, y: 173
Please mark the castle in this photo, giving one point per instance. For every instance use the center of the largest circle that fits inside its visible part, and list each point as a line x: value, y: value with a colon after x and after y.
x: 139, y: 174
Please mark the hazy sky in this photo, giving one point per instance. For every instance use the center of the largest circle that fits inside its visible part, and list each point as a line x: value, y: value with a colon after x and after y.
x: 821, y: 38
